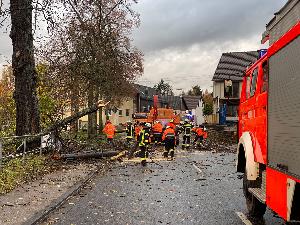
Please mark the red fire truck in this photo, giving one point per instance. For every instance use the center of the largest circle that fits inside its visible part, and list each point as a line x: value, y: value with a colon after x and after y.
x: 269, y: 130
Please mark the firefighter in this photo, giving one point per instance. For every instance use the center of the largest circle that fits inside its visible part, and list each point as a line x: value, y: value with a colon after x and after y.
x: 129, y: 131
x: 171, y: 124
x: 198, y: 130
x: 169, y: 140
x: 144, y: 141
x: 178, y: 130
x: 187, y: 129
x: 137, y: 129
x: 110, y: 130
x: 157, y: 132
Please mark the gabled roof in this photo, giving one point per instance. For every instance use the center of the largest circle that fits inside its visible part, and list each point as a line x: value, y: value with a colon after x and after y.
x: 232, y: 65
x: 191, y: 102
x: 145, y: 92
x: 172, y: 101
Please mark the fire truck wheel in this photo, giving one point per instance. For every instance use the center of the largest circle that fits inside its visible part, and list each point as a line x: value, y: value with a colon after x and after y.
x: 255, y: 207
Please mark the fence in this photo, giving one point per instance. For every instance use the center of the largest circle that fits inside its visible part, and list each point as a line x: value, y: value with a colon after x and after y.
x: 212, y: 119
x: 21, y: 151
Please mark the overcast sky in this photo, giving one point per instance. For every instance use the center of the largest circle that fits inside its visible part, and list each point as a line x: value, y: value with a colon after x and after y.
x: 182, y: 40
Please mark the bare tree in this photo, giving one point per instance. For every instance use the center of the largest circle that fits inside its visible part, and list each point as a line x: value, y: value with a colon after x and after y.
x: 91, y: 47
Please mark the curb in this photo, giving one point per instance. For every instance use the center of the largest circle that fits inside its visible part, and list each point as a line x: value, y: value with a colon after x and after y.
x: 41, y: 215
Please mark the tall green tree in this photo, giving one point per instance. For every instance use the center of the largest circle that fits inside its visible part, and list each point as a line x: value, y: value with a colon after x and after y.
x: 91, y: 53
x: 163, y: 88
x: 195, y: 91
x: 208, y: 103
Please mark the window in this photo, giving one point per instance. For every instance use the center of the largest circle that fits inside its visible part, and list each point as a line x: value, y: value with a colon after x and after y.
x: 227, y: 88
x: 232, y: 111
x: 254, y: 81
x: 265, y: 78
x: 127, y: 112
x: 248, y: 87
x: 120, y: 112
x: 231, y: 89
x: 235, y: 89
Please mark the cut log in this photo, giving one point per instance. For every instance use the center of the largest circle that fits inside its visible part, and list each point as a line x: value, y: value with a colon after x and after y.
x: 89, y: 155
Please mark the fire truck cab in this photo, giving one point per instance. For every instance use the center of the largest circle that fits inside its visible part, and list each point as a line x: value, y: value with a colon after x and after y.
x: 269, y: 130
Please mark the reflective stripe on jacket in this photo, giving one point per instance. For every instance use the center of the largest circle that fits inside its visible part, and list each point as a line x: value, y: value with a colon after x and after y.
x: 144, y: 137
x: 129, y: 131
x: 187, y: 129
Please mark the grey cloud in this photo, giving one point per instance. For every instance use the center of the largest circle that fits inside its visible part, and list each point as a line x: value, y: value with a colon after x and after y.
x: 182, y: 23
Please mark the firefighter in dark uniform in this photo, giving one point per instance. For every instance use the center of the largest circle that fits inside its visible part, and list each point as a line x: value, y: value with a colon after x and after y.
x: 187, y: 130
x: 169, y: 139
x: 144, y: 141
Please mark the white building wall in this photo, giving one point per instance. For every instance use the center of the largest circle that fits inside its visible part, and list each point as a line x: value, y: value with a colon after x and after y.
x: 218, y: 89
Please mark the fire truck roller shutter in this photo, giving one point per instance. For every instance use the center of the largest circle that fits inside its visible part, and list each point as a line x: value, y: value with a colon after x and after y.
x: 284, y: 109
x: 245, y: 153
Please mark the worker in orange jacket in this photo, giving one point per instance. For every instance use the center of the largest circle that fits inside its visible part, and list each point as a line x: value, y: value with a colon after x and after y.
x: 200, y: 132
x: 157, y: 129
x: 169, y: 140
x: 109, y: 130
x: 171, y: 124
x: 137, y: 129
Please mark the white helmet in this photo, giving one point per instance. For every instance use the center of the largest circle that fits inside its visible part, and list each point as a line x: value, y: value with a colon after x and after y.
x: 186, y: 120
x: 148, y: 125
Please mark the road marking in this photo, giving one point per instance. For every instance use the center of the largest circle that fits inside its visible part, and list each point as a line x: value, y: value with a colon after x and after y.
x: 197, y: 168
x: 243, y: 218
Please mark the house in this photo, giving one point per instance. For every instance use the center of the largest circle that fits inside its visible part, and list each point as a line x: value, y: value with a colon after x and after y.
x: 194, y: 107
x: 283, y: 21
x: 227, y: 84
x: 141, y: 101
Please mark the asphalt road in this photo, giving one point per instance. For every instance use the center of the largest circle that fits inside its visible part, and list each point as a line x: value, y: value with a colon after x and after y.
x: 196, y: 188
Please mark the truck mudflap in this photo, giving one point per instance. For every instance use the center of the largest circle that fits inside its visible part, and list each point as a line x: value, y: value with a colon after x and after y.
x: 283, y: 194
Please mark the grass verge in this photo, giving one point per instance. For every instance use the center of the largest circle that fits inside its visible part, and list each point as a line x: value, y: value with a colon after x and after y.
x: 18, y: 171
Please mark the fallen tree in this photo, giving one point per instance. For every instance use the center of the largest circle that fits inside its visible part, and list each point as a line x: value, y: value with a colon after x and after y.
x: 70, y: 119
x: 88, y: 155
x: 34, y: 141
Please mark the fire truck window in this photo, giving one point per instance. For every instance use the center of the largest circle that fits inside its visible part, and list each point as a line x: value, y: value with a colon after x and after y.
x: 253, y: 83
x: 265, y: 78
x: 248, y: 87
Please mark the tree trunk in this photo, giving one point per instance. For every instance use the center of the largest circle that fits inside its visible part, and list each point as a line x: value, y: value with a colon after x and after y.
x: 59, y: 124
x: 100, y: 120
x: 74, y: 106
x: 92, y: 118
x: 23, y: 64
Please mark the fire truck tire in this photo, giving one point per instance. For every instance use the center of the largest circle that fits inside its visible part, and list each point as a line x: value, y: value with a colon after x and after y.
x: 255, y: 207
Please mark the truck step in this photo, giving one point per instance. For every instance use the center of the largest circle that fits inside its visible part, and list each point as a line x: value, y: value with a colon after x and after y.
x: 259, y: 193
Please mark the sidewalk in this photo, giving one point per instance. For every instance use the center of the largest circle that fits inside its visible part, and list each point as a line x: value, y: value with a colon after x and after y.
x: 26, y: 201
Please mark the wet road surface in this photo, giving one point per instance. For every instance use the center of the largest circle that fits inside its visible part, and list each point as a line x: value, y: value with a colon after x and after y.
x: 196, y: 188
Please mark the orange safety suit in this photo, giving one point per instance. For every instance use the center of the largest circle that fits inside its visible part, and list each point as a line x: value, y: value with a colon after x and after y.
x: 168, y: 132
x: 172, y: 125
x: 199, y: 131
x: 109, y: 130
x: 137, y: 130
x: 170, y: 140
x: 157, y: 128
